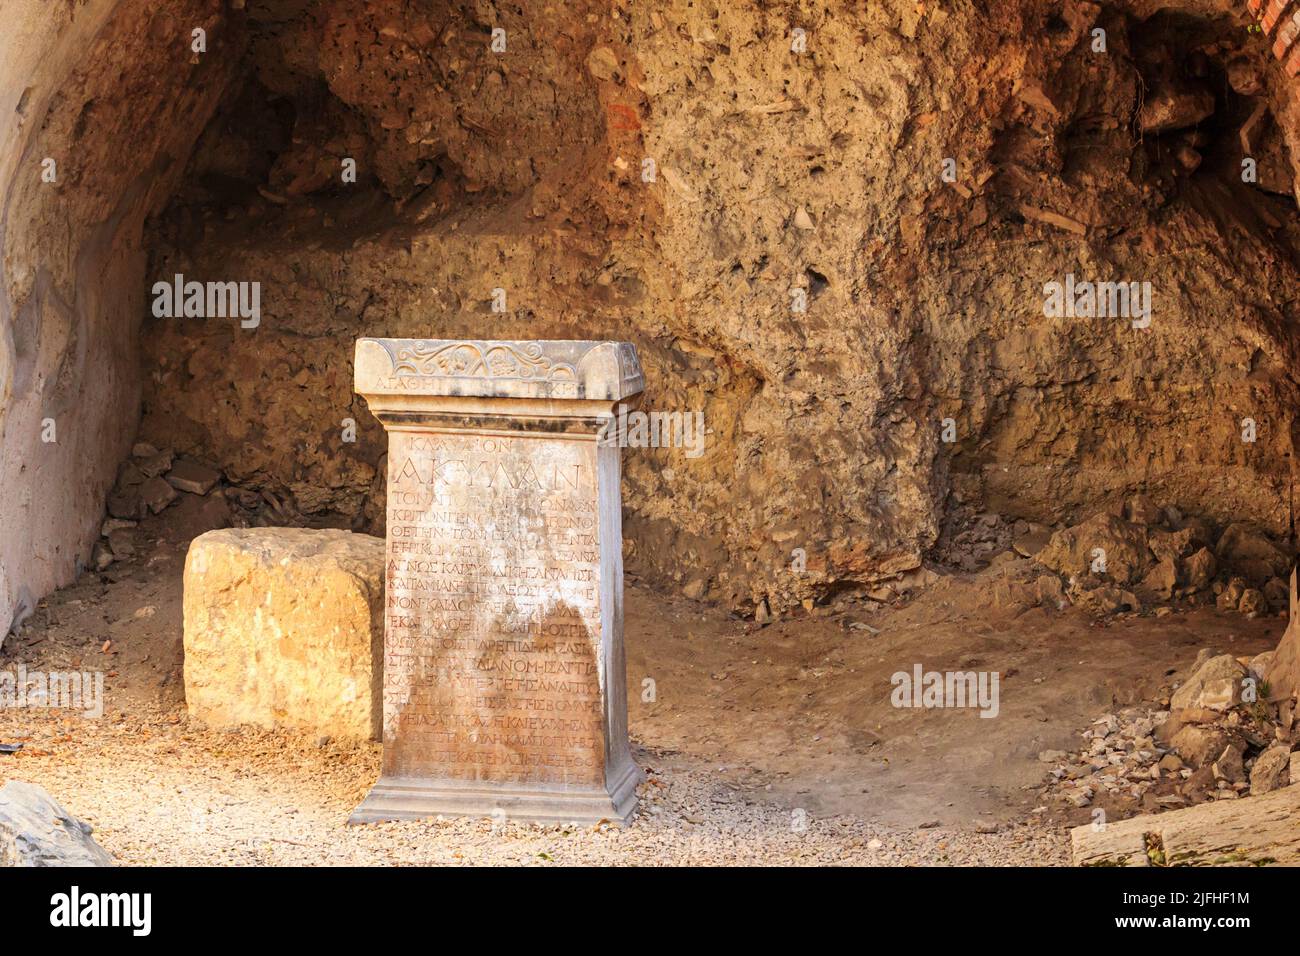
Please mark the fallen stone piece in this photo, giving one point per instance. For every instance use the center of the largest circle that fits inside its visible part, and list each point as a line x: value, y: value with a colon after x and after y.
x: 157, y: 494
x: 1199, y: 568
x: 1248, y: 551
x: 284, y: 628
x: 1272, y: 769
x: 1215, y: 684
x: 1115, y: 548
x: 192, y: 477
x: 1258, y: 831
x: 1167, y: 107
x: 36, y: 831
x: 1196, y: 745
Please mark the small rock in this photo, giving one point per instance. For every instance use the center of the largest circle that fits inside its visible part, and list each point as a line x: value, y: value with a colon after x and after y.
x: 192, y: 477
x: 1272, y: 769
x: 1228, y: 766
x: 1252, y: 603
x: 1198, y: 745
x: 1215, y: 684
x: 1200, y: 568
x: 114, y: 524
x: 122, y: 541
x: 101, y: 556
x: 157, y: 464
x: 1167, y: 107
x: 157, y: 494
x: 802, y: 220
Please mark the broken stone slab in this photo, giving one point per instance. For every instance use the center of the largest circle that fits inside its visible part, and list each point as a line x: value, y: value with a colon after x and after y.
x: 1215, y: 684
x: 155, y: 465
x: 506, y: 695
x: 36, y: 831
x: 1257, y: 831
x: 283, y: 629
x: 157, y: 494
x: 192, y: 477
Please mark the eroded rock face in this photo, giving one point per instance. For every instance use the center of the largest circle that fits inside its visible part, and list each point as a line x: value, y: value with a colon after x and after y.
x: 103, y: 102
x: 36, y: 831
x: 792, y: 262
x: 773, y: 171
x: 284, y: 628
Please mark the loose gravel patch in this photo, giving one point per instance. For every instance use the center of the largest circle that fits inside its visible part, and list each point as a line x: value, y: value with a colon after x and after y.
x: 160, y: 792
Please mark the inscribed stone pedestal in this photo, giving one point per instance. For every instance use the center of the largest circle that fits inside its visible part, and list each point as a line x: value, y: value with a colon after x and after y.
x: 504, y: 680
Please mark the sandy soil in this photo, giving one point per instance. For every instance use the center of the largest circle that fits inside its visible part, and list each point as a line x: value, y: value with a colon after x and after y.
x: 776, y: 744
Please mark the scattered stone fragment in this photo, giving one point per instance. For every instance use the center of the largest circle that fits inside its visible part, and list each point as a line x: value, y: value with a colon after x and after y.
x: 157, y: 494
x: 113, y: 524
x: 192, y: 477
x: 1252, y: 603
x: 1171, y: 763
x: 1229, y: 765
x: 1196, y: 744
x: 101, y: 556
x: 1031, y: 542
x: 1272, y: 769
x: 1199, y: 568
x: 1215, y: 684
x: 156, y: 464
x: 122, y: 543
x: 1167, y: 107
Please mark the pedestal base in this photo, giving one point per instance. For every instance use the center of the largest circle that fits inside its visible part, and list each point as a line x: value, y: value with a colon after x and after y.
x: 396, y: 798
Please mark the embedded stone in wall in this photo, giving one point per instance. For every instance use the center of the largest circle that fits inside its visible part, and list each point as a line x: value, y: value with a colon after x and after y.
x: 504, y: 677
x: 283, y: 629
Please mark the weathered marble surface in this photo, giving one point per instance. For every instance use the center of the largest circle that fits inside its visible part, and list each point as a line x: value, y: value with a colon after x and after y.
x: 504, y: 677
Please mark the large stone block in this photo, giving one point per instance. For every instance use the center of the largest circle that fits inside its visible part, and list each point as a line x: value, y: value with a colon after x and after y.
x: 284, y: 628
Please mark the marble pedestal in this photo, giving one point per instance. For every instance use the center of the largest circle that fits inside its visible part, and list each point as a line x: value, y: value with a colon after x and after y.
x: 504, y: 690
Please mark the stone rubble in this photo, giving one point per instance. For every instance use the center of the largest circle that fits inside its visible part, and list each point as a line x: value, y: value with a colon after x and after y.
x: 1134, y: 558
x: 153, y: 479
x: 1216, y: 737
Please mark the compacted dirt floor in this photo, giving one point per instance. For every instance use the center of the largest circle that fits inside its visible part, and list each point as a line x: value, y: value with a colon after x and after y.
x: 774, y: 744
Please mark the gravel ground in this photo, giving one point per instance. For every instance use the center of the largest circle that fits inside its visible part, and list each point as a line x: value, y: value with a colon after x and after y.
x: 160, y: 792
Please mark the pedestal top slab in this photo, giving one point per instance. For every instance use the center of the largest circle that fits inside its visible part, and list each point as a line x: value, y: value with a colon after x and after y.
x: 560, y: 369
